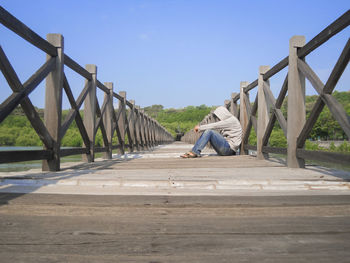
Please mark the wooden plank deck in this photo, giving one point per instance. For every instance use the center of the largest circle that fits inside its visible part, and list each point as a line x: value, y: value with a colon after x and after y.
x: 163, y: 172
x: 155, y: 207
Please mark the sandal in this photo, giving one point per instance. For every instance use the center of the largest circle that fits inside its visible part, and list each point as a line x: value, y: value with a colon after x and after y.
x: 189, y: 155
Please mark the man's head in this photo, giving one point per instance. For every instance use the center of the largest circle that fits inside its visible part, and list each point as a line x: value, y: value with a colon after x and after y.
x: 222, y: 113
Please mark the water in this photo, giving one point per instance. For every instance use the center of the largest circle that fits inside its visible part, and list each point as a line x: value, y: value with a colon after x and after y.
x: 25, y: 166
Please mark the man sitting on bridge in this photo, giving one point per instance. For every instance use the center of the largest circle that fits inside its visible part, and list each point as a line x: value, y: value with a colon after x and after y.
x: 225, y: 135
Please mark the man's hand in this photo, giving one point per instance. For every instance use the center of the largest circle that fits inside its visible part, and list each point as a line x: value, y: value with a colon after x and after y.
x: 196, y: 128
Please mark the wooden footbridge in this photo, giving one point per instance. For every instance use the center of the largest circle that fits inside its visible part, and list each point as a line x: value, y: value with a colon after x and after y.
x: 144, y: 203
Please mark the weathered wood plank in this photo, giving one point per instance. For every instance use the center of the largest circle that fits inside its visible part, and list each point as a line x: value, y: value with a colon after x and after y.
x: 25, y: 32
x: 334, y: 28
x: 76, y: 67
x: 100, y: 149
x: 131, y: 125
x: 73, y: 151
x: 236, y: 98
x: 22, y: 156
x: 296, y: 102
x: 251, y: 86
x: 121, y: 118
x: 13, y: 100
x: 263, y: 111
x: 310, y: 75
x: 108, y: 119
x: 250, y: 147
x: 53, y: 102
x: 329, y: 157
x: 102, y: 87
x: 117, y: 96
x: 134, y: 127
x: 276, y: 150
x: 244, y: 117
x: 277, y: 68
x: 90, y: 111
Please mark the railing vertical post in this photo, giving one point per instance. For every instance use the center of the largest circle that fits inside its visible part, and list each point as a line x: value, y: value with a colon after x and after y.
x: 153, y: 133
x: 263, y: 112
x: 108, y: 120
x: 121, y: 121
x: 136, y: 127
x: 147, y: 131
x: 244, y: 98
x: 132, y: 126
x: 139, y: 128
x: 234, y: 106
x: 144, y: 130
x: 53, y: 102
x: 296, y: 103
x: 90, y: 112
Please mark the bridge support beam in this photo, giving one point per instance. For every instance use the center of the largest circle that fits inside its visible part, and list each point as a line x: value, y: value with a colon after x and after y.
x: 296, y: 103
x: 53, y: 103
x: 234, y: 107
x: 108, y: 119
x: 121, y: 120
x: 90, y: 112
x: 263, y: 112
x: 132, y: 128
x: 244, y: 98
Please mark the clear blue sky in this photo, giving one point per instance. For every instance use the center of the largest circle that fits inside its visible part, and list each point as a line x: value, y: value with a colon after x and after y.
x: 175, y: 53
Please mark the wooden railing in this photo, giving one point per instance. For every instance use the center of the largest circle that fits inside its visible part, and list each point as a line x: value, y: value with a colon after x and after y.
x: 266, y: 109
x: 129, y: 122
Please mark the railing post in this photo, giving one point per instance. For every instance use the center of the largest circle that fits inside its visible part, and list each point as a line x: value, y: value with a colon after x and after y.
x: 144, y: 130
x: 233, y: 106
x: 121, y: 121
x: 90, y: 112
x: 132, y: 126
x: 139, y: 128
x: 263, y: 112
x: 244, y: 98
x: 296, y: 103
x: 147, y: 132
x: 53, y: 102
x: 108, y: 120
x: 154, y: 133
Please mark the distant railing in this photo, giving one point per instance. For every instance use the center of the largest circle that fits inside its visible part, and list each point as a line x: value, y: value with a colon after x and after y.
x: 141, y: 131
x: 266, y: 109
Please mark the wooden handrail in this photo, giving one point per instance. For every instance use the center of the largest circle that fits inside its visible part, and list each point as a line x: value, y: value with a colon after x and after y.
x: 141, y: 130
x: 25, y: 32
x: 298, y: 70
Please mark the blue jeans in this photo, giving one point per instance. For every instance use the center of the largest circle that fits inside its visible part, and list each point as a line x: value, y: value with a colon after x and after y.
x: 218, y: 142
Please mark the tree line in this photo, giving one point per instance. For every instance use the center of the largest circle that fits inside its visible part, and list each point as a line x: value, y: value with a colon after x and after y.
x: 16, y: 130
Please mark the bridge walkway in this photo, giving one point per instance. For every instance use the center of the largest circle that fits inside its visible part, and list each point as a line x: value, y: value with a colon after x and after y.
x: 163, y: 172
x: 156, y: 207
